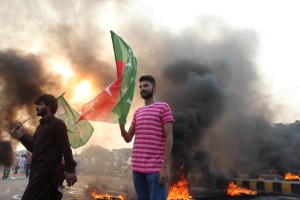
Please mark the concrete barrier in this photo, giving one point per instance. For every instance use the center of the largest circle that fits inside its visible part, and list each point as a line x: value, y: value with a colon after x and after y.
x: 289, y: 188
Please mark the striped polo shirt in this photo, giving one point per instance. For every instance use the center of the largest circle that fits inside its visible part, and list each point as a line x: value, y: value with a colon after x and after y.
x: 149, y: 143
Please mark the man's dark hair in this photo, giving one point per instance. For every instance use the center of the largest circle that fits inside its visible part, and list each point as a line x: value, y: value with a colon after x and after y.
x: 148, y: 78
x: 49, y: 100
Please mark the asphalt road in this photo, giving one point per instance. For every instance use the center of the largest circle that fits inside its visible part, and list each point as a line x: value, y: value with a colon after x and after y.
x: 13, y: 189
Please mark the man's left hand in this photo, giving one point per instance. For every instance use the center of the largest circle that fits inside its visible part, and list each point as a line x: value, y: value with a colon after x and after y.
x: 71, y: 178
x: 163, y: 175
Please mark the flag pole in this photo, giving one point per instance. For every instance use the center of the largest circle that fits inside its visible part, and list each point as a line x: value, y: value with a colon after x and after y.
x: 62, y: 94
x: 21, y: 123
x: 31, y: 116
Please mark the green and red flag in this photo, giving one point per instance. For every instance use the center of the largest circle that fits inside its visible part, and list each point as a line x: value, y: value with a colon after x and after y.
x: 113, y: 104
x: 78, y: 133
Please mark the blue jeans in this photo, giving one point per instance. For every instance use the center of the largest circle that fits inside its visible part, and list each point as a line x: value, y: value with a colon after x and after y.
x: 147, y: 187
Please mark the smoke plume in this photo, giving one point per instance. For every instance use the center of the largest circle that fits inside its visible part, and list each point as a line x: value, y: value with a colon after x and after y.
x: 25, y: 74
x: 23, y: 79
x: 218, y: 130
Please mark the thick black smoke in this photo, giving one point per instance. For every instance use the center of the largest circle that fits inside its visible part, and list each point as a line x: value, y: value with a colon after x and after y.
x: 218, y: 131
x: 211, y: 84
x: 63, y: 36
x: 197, y: 100
x: 23, y: 78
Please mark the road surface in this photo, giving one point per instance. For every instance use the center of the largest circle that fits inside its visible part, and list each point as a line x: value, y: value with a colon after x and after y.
x: 13, y: 189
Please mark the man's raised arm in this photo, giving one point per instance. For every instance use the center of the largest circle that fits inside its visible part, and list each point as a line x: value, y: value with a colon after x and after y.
x: 127, y: 135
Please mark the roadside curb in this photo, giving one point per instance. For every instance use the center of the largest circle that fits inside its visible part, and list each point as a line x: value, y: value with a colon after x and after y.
x: 289, y: 188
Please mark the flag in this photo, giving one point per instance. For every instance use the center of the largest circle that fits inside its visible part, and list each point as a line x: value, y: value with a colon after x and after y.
x: 78, y: 133
x: 113, y: 104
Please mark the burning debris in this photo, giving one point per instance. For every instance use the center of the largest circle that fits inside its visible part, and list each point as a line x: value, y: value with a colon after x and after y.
x: 291, y: 177
x: 108, y: 187
x: 106, y: 196
x: 180, y: 189
x: 234, y: 190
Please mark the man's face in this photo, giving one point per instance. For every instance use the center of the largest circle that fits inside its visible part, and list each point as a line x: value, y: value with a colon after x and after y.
x: 41, y: 109
x: 146, y: 89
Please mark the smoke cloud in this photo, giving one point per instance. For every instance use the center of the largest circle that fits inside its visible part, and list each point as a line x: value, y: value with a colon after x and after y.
x: 22, y: 78
x: 219, y: 128
x: 26, y: 74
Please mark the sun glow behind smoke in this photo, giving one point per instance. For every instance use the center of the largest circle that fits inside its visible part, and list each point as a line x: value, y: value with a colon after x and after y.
x: 83, y: 92
x: 80, y: 90
x: 62, y: 68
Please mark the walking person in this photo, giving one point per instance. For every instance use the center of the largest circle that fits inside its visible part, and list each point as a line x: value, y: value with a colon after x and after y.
x: 152, y: 128
x: 6, y: 172
x: 27, y: 163
x: 16, y: 166
x: 49, y: 143
x: 22, y: 163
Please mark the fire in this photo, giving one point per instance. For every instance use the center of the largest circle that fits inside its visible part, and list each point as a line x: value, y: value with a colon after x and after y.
x: 234, y: 190
x: 180, y: 189
x: 291, y: 177
x: 106, y: 196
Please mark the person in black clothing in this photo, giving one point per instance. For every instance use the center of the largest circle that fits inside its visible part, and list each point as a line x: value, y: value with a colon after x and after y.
x: 6, y: 172
x: 48, y: 144
x: 16, y: 166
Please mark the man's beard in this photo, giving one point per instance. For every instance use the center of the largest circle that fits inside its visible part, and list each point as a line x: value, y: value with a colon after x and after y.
x: 42, y: 112
x: 148, y: 95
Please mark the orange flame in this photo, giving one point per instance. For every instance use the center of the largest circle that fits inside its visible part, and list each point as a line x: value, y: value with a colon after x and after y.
x: 234, y: 190
x: 180, y: 189
x: 291, y: 177
x: 107, y: 196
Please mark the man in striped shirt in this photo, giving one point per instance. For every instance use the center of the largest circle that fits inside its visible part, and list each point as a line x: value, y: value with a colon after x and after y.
x: 152, y: 128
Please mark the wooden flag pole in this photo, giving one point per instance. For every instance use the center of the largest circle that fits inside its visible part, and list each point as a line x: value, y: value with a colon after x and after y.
x: 33, y: 115
x: 21, y: 123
